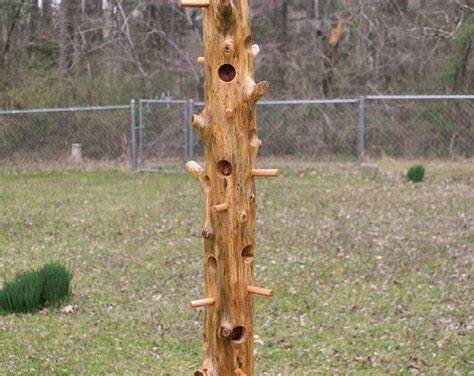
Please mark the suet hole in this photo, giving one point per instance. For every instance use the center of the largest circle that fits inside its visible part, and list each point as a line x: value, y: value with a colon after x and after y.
x: 224, y: 167
x: 238, y: 334
x: 227, y: 72
x: 247, y: 254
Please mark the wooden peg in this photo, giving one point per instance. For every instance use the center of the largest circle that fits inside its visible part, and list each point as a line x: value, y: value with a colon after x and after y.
x: 194, y: 169
x: 239, y: 372
x: 255, y: 50
x: 228, y: 46
x: 194, y: 3
x: 224, y: 7
x: 197, y: 122
x: 265, y: 172
x: 202, y: 302
x: 259, y: 291
x: 226, y: 330
x: 220, y: 208
x: 260, y: 90
x: 200, y: 60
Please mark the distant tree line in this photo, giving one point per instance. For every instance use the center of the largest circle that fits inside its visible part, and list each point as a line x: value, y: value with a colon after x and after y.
x: 55, y: 53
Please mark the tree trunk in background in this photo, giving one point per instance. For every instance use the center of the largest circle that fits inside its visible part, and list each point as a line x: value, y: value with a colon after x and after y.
x: 46, y: 11
x: 33, y: 18
x: 67, y: 11
x: 281, y: 41
x: 326, y: 8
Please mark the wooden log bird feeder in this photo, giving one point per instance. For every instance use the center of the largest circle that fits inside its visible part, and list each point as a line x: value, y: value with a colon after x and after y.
x: 227, y: 127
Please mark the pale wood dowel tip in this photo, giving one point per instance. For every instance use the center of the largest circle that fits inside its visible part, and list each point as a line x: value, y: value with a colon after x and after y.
x: 260, y: 90
x: 200, y: 60
x: 265, y: 172
x: 202, y: 302
x: 259, y: 291
x: 194, y: 169
x: 194, y: 3
x: 220, y: 208
x: 255, y: 50
x: 197, y: 121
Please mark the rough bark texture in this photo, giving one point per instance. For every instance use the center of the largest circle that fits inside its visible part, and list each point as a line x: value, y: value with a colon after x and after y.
x: 227, y: 127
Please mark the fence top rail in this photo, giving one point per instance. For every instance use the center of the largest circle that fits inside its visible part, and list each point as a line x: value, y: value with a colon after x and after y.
x: 419, y: 97
x: 69, y: 109
x: 300, y: 101
x: 164, y: 101
x: 310, y: 101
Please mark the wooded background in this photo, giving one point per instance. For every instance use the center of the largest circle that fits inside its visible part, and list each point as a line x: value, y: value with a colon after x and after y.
x: 58, y: 53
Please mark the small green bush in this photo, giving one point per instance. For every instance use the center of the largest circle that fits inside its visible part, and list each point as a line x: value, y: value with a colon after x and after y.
x: 57, y: 284
x: 32, y: 290
x: 416, y: 173
x: 23, y: 294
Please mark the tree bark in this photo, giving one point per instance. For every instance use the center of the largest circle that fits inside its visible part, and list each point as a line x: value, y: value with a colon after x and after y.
x: 227, y: 127
x: 68, y: 10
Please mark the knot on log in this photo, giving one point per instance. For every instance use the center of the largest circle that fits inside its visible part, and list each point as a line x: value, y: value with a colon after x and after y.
x: 225, y: 8
x: 207, y: 232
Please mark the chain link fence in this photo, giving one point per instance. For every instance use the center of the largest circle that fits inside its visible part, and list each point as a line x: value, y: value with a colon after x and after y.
x: 426, y: 127
x: 361, y: 128
x: 45, y: 137
x: 372, y: 127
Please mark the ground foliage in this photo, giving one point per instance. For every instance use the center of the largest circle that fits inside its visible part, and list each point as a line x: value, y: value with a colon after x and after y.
x: 32, y: 290
x: 416, y: 173
x: 370, y: 275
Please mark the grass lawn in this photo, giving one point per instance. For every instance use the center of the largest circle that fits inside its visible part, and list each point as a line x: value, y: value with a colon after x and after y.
x: 371, y: 276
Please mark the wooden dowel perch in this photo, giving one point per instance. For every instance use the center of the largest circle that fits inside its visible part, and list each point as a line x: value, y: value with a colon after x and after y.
x: 220, y: 208
x: 259, y: 291
x: 200, y: 60
x: 197, y: 121
x: 202, y: 302
x: 255, y: 50
x: 194, y: 3
x: 194, y: 169
x: 265, y: 172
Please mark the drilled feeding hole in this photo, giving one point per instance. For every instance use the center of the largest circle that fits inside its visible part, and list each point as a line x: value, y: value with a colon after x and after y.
x: 238, y: 334
x: 227, y: 72
x: 247, y: 254
x: 212, y: 264
x: 224, y: 167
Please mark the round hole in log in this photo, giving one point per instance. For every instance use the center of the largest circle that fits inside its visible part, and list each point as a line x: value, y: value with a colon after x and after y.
x: 247, y: 254
x: 227, y: 72
x: 199, y: 373
x: 224, y: 167
x: 212, y: 264
x: 238, y: 334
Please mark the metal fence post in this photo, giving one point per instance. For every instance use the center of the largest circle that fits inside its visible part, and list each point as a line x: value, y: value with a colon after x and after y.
x: 133, y: 140
x: 186, y: 137
x: 141, y: 137
x: 361, y: 144
x: 191, y: 130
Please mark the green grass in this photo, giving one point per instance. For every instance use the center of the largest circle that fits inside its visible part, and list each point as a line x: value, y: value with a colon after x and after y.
x: 371, y: 276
